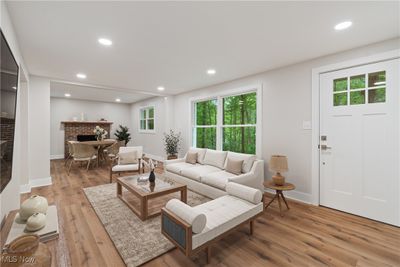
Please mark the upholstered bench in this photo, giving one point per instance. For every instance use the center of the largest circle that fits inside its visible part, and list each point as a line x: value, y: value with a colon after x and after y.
x: 193, y: 229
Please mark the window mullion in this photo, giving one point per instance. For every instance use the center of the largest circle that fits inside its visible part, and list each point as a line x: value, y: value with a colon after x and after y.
x: 219, y: 122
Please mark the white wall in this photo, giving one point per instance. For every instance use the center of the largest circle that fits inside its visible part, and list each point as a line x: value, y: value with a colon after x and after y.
x: 39, y: 131
x: 286, y: 104
x: 153, y: 143
x: 63, y: 109
x: 9, y: 198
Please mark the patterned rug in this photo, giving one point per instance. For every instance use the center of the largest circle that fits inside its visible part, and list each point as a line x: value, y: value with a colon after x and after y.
x: 136, y: 241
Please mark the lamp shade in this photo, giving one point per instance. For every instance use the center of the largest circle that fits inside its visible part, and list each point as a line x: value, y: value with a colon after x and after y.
x: 278, y: 163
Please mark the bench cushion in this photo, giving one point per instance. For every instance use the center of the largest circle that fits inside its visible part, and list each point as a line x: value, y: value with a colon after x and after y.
x: 244, y: 192
x: 223, y: 214
x: 125, y: 167
x: 188, y: 214
x: 217, y: 179
x: 178, y: 167
x: 197, y: 172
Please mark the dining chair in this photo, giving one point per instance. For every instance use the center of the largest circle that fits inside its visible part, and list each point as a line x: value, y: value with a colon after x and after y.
x: 112, y: 151
x: 82, y: 153
x: 70, y: 150
x: 117, y: 165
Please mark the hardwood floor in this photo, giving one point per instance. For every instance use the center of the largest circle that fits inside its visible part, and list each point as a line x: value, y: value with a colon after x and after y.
x: 305, y: 236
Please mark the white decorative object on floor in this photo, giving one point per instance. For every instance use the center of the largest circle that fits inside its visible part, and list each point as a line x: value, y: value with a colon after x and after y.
x: 36, y: 222
x: 49, y: 232
x: 34, y: 204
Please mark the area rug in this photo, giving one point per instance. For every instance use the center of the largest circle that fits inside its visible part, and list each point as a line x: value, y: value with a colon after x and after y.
x: 136, y: 241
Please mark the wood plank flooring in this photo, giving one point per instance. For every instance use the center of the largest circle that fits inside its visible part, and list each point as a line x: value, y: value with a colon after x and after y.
x: 305, y: 236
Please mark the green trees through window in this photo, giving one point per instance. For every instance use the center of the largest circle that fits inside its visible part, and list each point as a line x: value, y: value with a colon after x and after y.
x: 237, y: 128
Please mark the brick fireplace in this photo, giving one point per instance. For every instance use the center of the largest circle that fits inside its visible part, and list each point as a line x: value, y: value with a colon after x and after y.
x: 74, y: 128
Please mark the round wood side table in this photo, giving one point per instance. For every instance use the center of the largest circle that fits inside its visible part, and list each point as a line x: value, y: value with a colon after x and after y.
x: 279, y: 189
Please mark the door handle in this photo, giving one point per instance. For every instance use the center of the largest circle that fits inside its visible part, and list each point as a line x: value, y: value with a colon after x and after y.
x: 324, y: 147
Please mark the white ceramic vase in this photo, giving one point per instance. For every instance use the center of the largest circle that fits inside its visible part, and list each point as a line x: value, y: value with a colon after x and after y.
x: 34, y: 204
x: 36, y: 222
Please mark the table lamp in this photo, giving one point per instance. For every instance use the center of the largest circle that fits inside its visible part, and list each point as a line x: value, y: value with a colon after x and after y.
x: 278, y: 164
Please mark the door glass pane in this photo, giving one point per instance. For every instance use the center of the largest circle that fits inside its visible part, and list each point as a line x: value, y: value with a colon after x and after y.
x: 150, y: 124
x: 151, y: 112
x: 377, y: 95
x: 142, y: 124
x: 340, y: 99
x: 340, y: 84
x: 206, y: 137
x: 357, y: 97
x: 240, y: 139
x: 357, y: 82
x: 206, y: 112
x: 377, y: 79
x: 240, y: 109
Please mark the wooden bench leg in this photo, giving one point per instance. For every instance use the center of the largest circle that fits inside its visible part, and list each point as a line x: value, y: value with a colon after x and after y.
x: 208, y: 252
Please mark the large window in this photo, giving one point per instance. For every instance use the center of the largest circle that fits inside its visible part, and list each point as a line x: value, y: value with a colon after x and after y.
x: 146, y: 119
x: 205, y: 130
x: 226, y: 123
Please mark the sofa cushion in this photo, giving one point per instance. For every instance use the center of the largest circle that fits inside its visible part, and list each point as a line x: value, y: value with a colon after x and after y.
x: 215, y: 158
x: 191, y: 157
x: 196, y: 219
x: 128, y: 158
x: 178, y: 167
x: 217, y: 179
x: 223, y: 214
x: 244, y: 192
x: 234, y: 166
x: 248, y: 160
x: 200, y: 153
x: 197, y: 172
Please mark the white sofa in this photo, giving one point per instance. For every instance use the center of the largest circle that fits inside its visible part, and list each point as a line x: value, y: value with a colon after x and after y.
x: 208, y: 176
x: 193, y: 229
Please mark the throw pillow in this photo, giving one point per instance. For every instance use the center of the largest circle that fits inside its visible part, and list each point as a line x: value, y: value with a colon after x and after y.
x: 128, y: 158
x: 234, y: 166
x: 200, y: 153
x: 191, y: 158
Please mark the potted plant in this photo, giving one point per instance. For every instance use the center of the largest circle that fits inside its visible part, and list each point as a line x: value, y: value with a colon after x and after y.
x: 100, y: 133
x: 122, y: 134
x: 172, y: 143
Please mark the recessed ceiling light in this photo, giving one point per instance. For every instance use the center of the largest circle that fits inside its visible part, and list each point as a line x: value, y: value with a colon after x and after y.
x: 211, y: 72
x: 343, y: 25
x: 105, y: 41
x: 67, y: 95
x: 81, y: 75
x: 160, y: 88
x: 117, y: 100
x: 14, y: 87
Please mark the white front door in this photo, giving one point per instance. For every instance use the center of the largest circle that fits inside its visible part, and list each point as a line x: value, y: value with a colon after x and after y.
x: 359, y: 141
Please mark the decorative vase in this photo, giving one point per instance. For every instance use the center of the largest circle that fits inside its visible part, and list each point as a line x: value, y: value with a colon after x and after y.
x: 152, y: 177
x: 26, y: 250
x: 34, y: 204
x: 36, y: 222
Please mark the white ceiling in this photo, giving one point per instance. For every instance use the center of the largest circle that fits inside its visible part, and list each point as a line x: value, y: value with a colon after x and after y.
x: 173, y: 43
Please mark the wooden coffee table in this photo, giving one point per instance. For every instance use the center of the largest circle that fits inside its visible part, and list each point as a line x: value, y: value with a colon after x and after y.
x: 145, y: 191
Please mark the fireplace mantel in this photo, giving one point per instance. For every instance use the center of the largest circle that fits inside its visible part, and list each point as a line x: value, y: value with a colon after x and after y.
x: 87, y: 122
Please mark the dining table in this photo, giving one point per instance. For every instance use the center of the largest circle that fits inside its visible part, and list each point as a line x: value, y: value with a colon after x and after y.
x: 100, y: 146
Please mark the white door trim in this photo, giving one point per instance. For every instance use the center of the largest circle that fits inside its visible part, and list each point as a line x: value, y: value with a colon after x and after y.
x: 394, y: 54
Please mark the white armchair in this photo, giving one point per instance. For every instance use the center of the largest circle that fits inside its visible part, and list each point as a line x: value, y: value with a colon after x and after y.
x: 120, y: 165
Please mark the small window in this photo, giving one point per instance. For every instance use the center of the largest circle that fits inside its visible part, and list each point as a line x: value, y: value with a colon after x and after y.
x: 340, y: 85
x: 147, y: 119
x: 357, y: 82
x: 377, y: 95
x: 357, y: 97
x: 340, y: 99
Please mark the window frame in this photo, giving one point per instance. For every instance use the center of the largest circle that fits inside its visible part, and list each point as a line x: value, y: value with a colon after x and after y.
x: 257, y: 88
x: 146, y: 119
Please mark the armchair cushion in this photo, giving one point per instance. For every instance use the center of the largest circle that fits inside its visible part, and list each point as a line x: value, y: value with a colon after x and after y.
x: 125, y: 167
x: 128, y: 158
x: 244, y: 192
x: 196, y: 219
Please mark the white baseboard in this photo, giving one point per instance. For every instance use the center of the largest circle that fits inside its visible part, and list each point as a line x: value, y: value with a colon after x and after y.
x: 295, y: 195
x: 56, y: 156
x: 26, y: 188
